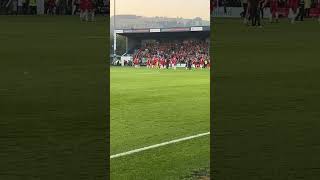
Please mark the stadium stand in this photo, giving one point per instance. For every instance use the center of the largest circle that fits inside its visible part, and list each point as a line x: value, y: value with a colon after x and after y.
x: 181, y: 44
x: 182, y: 50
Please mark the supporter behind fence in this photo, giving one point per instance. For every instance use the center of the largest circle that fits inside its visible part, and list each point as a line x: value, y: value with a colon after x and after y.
x: 50, y: 7
x: 162, y: 54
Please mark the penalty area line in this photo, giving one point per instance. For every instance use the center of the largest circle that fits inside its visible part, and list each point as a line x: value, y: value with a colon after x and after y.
x: 158, y: 145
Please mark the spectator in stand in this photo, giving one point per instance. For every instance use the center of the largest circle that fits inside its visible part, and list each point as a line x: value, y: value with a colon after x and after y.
x: 254, y: 17
x: 318, y: 6
x: 136, y: 62
x: 91, y: 9
x: 12, y: 6
x: 293, y: 9
x: 212, y: 4
x: 174, y: 63
x: 51, y: 7
x: 75, y: 6
x: 33, y: 6
x: 189, y: 64
x: 25, y: 6
x: 245, y: 7
x: 274, y: 4
x: 20, y: 6
x: 307, y: 7
x: 301, y: 10
x: 202, y: 62
x: 83, y: 10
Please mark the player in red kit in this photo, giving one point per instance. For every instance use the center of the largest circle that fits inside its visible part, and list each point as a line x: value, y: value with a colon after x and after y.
x: 148, y: 63
x: 136, y: 62
x: 162, y: 63
x: 51, y: 7
x: 174, y: 63
x: 155, y: 62
x: 91, y: 9
x: 194, y: 62
x: 201, y: 62
x: 274, y: 10
x: 197, y: 63
x: 82, y: 9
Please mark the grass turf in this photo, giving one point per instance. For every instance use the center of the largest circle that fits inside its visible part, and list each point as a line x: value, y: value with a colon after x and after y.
x: 53, y: 110
x: 150, y: 106
x: 266, y: 100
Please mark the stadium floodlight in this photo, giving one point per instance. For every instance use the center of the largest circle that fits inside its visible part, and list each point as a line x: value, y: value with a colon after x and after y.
x: 114, y: 28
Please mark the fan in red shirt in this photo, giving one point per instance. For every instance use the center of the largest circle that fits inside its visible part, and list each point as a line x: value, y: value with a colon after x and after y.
x: 293, y: 9
x: 51, y: 6
x: 83, y: 10
x: 201, y: 63
x: 174, y: 63
x: 162, y: 63
x: 318, y: 6
x: 90, y: 9
x: 211, y: 6
x: 148, y: 63
x: 194, y: 62
x: 136, y: 62
x: 155, y: 62
x: 274, y: 10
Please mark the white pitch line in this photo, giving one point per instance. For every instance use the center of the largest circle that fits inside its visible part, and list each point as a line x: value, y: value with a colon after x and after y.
x: 158, y: 145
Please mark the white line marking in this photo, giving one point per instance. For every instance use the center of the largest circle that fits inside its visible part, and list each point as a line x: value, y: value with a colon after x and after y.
x: 96, y: 36
x: 158, y: 145
x: 149, y: 73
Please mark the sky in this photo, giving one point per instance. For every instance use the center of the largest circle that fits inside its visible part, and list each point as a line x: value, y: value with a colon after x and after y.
x: 170, y: 8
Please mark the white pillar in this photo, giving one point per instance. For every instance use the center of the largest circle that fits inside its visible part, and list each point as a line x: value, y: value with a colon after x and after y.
x: 114, y: 42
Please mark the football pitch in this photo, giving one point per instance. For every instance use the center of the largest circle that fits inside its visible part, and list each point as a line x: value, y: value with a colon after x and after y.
x: 266, y: 100
x: 152, y: 106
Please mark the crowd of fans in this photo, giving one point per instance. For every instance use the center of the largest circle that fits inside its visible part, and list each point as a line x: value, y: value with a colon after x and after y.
x: 167, y: 54
x: 253, y: 10
x: 52, y: 7
x: 239, y: 3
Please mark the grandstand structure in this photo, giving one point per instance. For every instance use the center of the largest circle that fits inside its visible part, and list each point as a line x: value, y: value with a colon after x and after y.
x: 136, y: 38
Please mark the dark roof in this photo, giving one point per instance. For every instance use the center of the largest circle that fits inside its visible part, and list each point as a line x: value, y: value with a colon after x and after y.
x: 166, y: 32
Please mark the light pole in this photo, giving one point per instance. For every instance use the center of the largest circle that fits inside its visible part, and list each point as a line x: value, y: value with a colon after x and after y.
x: 114, y: 31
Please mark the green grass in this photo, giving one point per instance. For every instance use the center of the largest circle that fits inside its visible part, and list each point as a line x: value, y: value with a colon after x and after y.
x: 266, y: 100
x: 53, y: 110
x: 150, y: 106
